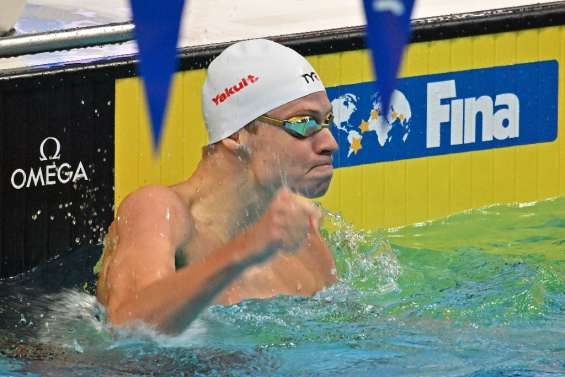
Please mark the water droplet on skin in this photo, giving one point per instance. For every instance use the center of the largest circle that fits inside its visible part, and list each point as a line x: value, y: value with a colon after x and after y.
x: 168, y: 214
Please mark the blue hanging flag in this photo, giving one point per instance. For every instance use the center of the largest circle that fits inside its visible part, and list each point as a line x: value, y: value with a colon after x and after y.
x: 157, y: 26
x: 388, y: 30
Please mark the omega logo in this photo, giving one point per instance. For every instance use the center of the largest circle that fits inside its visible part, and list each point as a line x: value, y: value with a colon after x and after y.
x: 50, y: 174
x: 56, y: 155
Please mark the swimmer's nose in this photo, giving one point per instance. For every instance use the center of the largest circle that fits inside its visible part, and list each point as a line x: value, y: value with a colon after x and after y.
x: 324, y: 142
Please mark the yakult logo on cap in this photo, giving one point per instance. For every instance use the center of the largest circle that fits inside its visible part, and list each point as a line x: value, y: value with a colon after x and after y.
x: 231, y: 90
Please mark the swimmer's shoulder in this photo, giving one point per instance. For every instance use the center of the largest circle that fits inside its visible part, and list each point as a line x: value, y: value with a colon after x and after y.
x: 158, y: 204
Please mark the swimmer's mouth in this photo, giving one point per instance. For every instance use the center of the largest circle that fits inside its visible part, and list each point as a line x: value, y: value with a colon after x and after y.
x: 326, y: 164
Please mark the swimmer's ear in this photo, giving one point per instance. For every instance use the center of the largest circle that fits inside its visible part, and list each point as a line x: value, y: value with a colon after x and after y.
x: 229, y: 143
x: 234, y: 144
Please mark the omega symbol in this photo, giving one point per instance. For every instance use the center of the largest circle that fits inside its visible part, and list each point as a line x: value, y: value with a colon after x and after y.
x: 56, y: 155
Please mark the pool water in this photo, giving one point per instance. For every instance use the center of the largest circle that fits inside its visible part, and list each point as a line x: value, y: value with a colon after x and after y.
x: 480, y: 293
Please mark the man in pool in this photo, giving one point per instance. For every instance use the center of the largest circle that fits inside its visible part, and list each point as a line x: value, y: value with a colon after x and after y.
x: 239, y: 228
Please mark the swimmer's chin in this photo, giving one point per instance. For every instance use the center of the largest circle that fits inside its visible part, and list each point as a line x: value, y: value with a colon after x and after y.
x: 314, y: 191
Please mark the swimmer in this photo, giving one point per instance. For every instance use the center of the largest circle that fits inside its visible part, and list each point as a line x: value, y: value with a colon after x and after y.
x: 238, y: 228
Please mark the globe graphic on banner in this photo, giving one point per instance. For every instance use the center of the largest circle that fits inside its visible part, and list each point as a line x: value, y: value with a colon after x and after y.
x: 390, y: 130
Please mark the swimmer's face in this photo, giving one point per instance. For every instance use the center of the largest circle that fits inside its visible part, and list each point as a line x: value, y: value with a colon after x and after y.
x: 303, y: 164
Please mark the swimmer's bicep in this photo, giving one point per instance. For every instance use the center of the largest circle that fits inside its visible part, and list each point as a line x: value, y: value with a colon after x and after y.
x: 135, y: 267
x: 145, y: 249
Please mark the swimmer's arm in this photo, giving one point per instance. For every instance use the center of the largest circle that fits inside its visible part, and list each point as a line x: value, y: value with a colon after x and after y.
x: 141, y: 282
x: 173, y: 302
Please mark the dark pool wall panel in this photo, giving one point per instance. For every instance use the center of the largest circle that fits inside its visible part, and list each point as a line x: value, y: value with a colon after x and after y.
x: 49, y: 206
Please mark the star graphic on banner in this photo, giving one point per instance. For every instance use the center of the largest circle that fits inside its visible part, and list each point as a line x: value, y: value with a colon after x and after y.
x: 393, y: 116
x: 374, y: 114
x: 364, y: 126
x: 355, y: 145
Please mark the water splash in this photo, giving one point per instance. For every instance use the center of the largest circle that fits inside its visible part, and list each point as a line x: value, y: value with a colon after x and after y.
x: 365, y: 260
x: 72, y: 319
x: 478, y: 293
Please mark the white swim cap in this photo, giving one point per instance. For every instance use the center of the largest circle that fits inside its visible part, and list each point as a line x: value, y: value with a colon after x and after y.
x: 250, y: 78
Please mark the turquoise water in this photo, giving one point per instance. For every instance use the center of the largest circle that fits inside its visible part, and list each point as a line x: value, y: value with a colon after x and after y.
x: 481, y: 293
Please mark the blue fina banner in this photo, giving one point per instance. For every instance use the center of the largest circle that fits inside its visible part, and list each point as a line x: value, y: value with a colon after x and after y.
x: 157, y: 26
x: 388, y: 30
x: 447, y: 113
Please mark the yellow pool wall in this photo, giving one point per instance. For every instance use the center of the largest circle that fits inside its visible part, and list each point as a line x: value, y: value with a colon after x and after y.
x: 378, y: 195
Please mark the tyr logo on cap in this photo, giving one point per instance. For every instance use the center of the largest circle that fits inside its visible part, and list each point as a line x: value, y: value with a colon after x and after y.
x: 231, y: 90
x: 310, y: 77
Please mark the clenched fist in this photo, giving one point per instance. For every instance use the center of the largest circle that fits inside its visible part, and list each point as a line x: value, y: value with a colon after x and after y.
x: 286, y: 223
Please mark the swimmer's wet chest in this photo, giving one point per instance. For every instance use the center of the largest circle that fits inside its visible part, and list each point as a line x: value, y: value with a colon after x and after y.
x: 198, y: 247
x: 286, y: 273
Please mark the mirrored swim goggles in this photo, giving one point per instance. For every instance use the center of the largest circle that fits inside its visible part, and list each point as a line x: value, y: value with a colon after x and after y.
x: 299, y: 126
